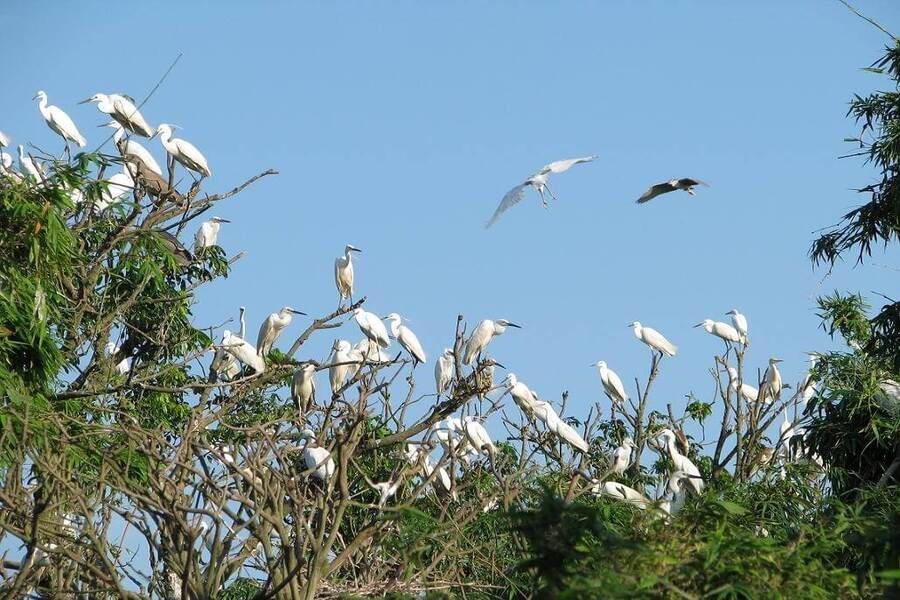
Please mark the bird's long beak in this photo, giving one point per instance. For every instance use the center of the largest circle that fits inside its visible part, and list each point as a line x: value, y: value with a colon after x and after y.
x: 514, y: 325
x: 227, y: 221
x: 699, y: 325
x: 354, y: 249
x: 296, y: 312
x: 35, y: 97
x: 496, y: 364
x: 86, y: 100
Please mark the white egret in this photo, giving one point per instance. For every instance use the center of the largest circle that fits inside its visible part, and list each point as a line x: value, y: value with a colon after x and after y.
x: 118, y: 186
x: 29, y: 166
x: 449, y: 432
x: 339, y: 371
x: 539, y: 182
x: 477, y: 435
x: 343, y: 272
x: 317, y: 459
x: 368, y: 352
x: 372, y: 327
x: 225, y: 364
x: 748, y: 392
x: 685, y: 183
x: 243, y: 350
x: 303, y: 386
x: 740, y: 323
x: 653, y: 338
x: 272, y: 327
x: 443, y: 477
x: 385, y: 489
x: 543, y: 411
x: 682, y: 462
x: 407, y: 339
x: 6, y: 163
x: 124, y: 365
x: 132, y: 151
x: 183, y: 151
x: 621, y: 457
x: 612, y: 385
x: 122, y: 109
x: 208, y: 234
x: 4, y: 140
x: 59, y: 121
x: 888, y: 396
x: 676, y: 489
x: 721, y: 330
x: 808, y: 387
x: 482, y: 335
x: 772, y: 383
x: 444, y: 369
x: 246, y: 472
x: 785, y: 432
x: 620, y: 491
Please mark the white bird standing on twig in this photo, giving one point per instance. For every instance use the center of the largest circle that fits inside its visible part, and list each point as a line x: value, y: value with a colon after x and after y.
x: 444, y: 369
x: 343, y: 272
x: 477, y: 435
x: 243, y: 350
x: 122, y: 109
x: 183, y: 151
x: 612, y: 385
x: 372, y: 327
x: 682, y: 462
x: 59, y: 121
x: 653, y: 338
x: 133, y: 151
x: 482, y: 335
x: 621, y: 457
x: 539, y: 182
x: 303, y: 386
x: 543, y: 411
x: 29, y: 166
x: 740, y: 323
x: 407, y: 339
x: 224, y: 363
x: 118, y: 186
x: 620, y: 491
x: 208, y: 234
x: 340, y: 369
x: 721, y: 330
x: 272, y: 327
x: 685, y: 183
x: 772, y: 382
x: 317, y: 459
x: 747, y: 391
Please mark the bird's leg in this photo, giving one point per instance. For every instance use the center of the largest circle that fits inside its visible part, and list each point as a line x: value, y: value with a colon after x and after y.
x: 552, y: 195
x: 544, y: 200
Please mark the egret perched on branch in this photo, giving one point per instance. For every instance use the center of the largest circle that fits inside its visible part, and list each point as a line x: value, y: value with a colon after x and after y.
x: 368, y: 352
x: 385, y: 489
x: 611, y: 384
x: 183, y: 151
x: 740, y: 323
x: 721, y: 330
x: 122, y: 109
x: 6, y: 162
x: 654, y: 339
x: 621, y: 457
x: 682, y: 462
x: 372, y: 327
x: 118, y: 186
x: 30, y: 167
x: 272, y: 327
x: 539, y: 182
x: 619, y: 491
x: 225, y: 364
x: 685, y: 183
x: 444, y: 370
x: 748, y: 392
x: 340, y: 369
x: 133, y: 151
x: 208, y: 234
x: 407, y: 339
x: 4, y: 140
x: 543, y: 411
x: 59, y: 121
x: 808, y: 387
x: 477, y: 435
x: 243, y: 350
x: 482, y: 335
x: 772, y: 383
x: 343, y: 272
x: 303, y: 387
x: 317, y: 459
x: 124, y: 365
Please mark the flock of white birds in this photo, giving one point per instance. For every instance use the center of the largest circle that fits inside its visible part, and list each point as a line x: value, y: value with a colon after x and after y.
x: 465, y: 438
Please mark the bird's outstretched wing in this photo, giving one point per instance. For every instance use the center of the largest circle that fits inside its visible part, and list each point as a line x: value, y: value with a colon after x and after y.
x: 564, y: 165
x: 654, y: 191
x: 512, y: 197
x: 691, y: 181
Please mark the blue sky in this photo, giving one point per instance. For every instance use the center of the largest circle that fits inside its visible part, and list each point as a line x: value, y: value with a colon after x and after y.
x: 399, y: 126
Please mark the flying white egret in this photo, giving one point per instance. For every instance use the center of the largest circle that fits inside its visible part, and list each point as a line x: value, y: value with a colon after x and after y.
x: 59, y: 121
x: 317, y: 459
x: 225, y: 364
x: 338, y: 373
x: 243, y: 350
x: 682, y: 462
x: 122, y: 109
x: 29, y: 166
x: 653, y: 338
x: 721, y: 330
x: 208, y: 234
x: 685, y: 183
x: 118, y: 186
x: 183, y: 151
x: 772, y: 383
x: 621, y: 457
x: 482, y: 335
x: 133, y: 151
x: 740, y: 323
x: 407, y: 339
x: 748, y: 392
x: 543, y: 411
x: 303, y: 386
x: 343, y: 272
x: 272, y: 327
x: 611, y: 384
x: 620, y: 491
x: 124, y: 365
x: 444, y: 368
x: 4, y: 140
x: 477, y: 435
x: 539, y: 182
x: 372, y: 327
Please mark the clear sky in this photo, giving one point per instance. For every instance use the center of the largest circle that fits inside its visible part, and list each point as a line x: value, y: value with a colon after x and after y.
x: 399, y: 126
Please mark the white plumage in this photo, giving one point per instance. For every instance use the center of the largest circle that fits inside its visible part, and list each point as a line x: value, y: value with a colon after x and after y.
x: 620, y: 491
x: 224, y: 364
x: 654, y: 339
x: 118, y: 186
x: 482, y: 335
x: 183, y: 151
x: 29, y: 166
x: 444, y: 369
x: 772, y: 383
x: 339, y: 373
x: 748, y: 392
x: 343, y: 271
x: 59, y: 121
x: 208, y: 233
x: 243, y: 350
x: 319, y: 461
x: 303, y: 386
x: 682, y: 462
x: 721, y: 330
x: 543, y: 411
x: 372, y: 327
x: 272, y: 327
x: 621, y: 457
x: 133, y: 151
x: 477, y: 435
x: 612, y: 384
x: 123, y: 110
x: 407, y: 338
x: 740, y: 323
